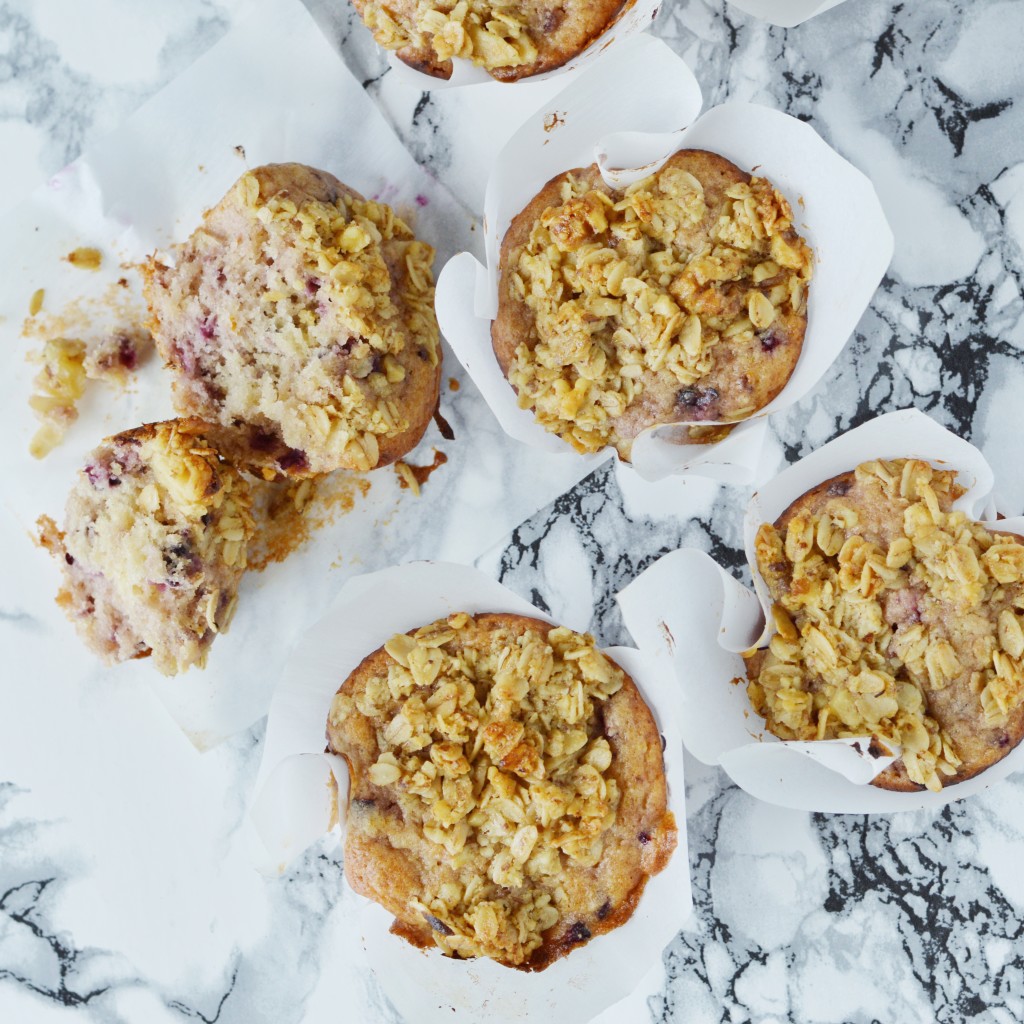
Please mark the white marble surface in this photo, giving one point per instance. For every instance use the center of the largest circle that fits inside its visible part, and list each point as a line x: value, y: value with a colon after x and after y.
x: 125, y: 892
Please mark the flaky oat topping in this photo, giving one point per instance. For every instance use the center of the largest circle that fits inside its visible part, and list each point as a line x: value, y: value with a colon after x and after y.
x: 865, y: 633
x: 490, y: 33
x: 492, y: 745
x: 623, y: 285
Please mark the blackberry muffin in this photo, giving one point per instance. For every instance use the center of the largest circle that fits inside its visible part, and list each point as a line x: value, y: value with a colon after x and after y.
x: 510, y: 39
x: 299, y: 317
x: 895, y: 617
x: 153, y: 546
x: 681, y: 299
x: 508, y: 796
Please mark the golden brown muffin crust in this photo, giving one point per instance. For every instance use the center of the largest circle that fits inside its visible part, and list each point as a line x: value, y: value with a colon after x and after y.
x: 679, y: 300
x: 555, y: 827
x: 944, y: 624
x: 511, y: 39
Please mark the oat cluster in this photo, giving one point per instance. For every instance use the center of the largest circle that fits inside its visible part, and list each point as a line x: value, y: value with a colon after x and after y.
x: 490, y: 33
x: 623, y: 285
x: 866, y: 632
x: 492, y: 745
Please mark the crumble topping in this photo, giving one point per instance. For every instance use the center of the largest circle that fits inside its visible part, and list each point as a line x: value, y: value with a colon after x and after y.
x: 866, y: 631
x: 628, y: 284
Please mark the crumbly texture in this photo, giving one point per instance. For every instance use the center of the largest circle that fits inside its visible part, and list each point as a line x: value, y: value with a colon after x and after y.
x: 300, y: 317
x: 65, y: 365
x: 679, y: 300
x: 153, y: 547
x: 895, y: 617
x: 56, y: 389
x: 510, y: 39
x: 508, y: 795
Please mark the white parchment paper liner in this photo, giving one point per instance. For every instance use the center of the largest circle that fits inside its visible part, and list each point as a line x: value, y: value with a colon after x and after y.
x: 139, y: 189
x: 689, y: 612
x: 786, y: 13
x: 635, y: 19
x: 292, y: 807
x: 630, y: 123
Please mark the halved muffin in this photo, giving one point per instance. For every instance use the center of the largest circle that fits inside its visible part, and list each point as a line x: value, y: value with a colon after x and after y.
x: 299, y: 317
x: 153, y: 546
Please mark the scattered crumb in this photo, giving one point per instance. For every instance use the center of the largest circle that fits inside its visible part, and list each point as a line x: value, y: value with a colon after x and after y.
x: 288, y: 514
x: 99, y: 338
x: 115, y: 357
x: 453, y: 384
x: 85, y: 258
x: 737, y: 681
x: 414, y: 477
x: 36, y: 302
x: 443, y: 425
x: 240, y: 150
x: 554, y: 120
x: 667, y: 634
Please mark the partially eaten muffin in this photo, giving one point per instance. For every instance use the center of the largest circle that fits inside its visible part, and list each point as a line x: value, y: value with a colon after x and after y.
x: 508, y: 795
x: 299, y: 317
x: 895, y: 617
x: 153, y: 546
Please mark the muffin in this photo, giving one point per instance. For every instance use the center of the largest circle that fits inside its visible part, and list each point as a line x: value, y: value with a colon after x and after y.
x: 299, y: 318
x: 681, y: 299
x: 153, y: 546
x: 508, y: 796
x: 897, y: 618
x: 509, y: 39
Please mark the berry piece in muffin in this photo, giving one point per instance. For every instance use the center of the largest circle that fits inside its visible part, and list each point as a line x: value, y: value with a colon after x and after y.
x: 508, y: 795
x: 510, y: 39
x: 153, y: 546
x: 300, y: 317
x: 896, y: 617
x: 681, y: 299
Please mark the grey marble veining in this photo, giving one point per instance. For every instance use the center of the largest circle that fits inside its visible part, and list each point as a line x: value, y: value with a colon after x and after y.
x: 800, y: 918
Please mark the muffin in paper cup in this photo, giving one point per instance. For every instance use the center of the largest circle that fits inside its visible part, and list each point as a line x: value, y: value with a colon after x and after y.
x: 301, y: 793
x: 629, y: 125
x: 634, y: 17
x: 693, y: 615
x: 786, y: 13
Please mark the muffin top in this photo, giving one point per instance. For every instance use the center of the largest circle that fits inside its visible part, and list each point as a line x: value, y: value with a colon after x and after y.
x: 154, y: 544
x: 895, y: 617
x: 510, y: 39
x: 508, y: 796
x: 300, y: 316
x: 680, y: 299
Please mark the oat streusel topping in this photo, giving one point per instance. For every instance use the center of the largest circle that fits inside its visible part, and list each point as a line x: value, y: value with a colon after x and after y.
x: 491, y: 743
x: 626, y: 285
x: 881, y: 619
x: 490, y: 33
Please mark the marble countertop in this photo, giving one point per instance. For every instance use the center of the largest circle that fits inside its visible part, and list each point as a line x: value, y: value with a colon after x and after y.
x: 124, y: 891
